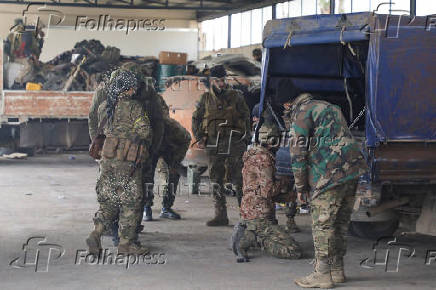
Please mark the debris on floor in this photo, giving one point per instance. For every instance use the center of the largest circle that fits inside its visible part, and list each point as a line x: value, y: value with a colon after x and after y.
x: 15, y: 155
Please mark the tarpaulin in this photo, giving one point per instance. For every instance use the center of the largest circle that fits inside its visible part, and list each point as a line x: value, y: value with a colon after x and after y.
x: 316, y: 29
x: 400, y: 87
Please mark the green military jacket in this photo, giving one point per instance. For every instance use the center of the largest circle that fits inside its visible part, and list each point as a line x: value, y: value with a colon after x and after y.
x: 153, y: 103
x: 221, y: 113
x: 324, y: 152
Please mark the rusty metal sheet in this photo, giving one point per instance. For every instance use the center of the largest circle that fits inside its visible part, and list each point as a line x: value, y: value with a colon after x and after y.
x: 406, y: 162
x: 46, y: 104
x: 181, y: 97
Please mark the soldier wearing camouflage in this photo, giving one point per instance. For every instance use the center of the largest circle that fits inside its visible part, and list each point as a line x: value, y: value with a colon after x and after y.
x: 221, y: 123
x: 326, y: 162
x: 257, y: 207
x: 126, y: 147
x: 156, y: 110
x: 172, y: 152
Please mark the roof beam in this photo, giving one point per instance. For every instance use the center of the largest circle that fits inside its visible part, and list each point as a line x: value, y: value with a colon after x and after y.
x: 119, y: 6
x: 238, y: 7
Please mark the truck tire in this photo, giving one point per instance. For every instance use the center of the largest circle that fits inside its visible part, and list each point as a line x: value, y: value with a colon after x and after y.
x: 374, y: 230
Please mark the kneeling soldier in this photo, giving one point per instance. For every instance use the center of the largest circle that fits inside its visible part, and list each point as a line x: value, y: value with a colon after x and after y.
x: 260, y: 192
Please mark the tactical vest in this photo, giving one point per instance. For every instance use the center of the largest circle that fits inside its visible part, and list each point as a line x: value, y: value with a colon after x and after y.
x: 221, y: 115
x: 120, y: 143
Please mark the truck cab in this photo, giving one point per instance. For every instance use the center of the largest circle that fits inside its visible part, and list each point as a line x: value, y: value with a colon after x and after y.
x: 379, y: 69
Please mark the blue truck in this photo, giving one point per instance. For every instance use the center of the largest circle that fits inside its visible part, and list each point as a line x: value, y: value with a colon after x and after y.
x: 380, y: 69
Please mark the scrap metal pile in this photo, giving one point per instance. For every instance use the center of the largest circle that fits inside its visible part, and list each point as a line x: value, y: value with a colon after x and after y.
x: 243, y: 74
x: 83, y: 67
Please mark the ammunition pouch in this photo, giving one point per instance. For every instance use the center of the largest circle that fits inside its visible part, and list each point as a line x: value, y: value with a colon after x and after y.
x: 97, y: 146
x: 110, y: 147
x: 125, y: 150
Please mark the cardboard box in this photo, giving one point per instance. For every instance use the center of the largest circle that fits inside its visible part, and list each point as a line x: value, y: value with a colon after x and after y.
x: 33, y: 87
x: 178, y: 58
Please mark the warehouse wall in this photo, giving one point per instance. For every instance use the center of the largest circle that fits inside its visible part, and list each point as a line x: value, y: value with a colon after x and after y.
x: 244, y: 50
x: 180, y: 33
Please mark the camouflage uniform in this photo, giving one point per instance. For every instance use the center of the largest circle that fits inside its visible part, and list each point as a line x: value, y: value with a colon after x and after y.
x: 119, y: 185
x: 156, y: 110
x: 326, y: 162
x: 172, y: 152
x: 224, y: 119
x: 257, y: 207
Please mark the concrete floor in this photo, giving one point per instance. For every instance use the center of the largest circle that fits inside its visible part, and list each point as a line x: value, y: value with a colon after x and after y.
x: 53, y: 196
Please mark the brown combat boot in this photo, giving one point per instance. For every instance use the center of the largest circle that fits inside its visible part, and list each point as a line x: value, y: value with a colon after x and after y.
x: 94, y: 239
x: 291, y: 226
x: 320, y: 278
x: 337, y: 270
x: 132, y: 249
x: 220, y: 218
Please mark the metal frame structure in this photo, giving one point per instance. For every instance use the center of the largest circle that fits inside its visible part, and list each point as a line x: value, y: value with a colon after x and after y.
x: 206, y: 9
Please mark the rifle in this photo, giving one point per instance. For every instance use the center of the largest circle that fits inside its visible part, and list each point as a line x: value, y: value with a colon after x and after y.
x: 74, y: 74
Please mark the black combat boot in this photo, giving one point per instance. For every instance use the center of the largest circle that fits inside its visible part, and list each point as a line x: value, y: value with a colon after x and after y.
x: 169, y: 213
x: 148, y: 214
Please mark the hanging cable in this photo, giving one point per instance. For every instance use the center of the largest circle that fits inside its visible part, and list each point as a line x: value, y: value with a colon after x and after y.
x: 350, y: 102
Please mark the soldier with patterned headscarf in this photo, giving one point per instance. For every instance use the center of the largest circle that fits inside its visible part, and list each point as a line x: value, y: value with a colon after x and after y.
x: 126, y: 147
x: 326, y: 162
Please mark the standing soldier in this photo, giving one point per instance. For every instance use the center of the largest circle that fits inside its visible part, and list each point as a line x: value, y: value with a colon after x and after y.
x: 261, y: 191
x: 23, y: 47
x: 156, y: 110
x: 326, y: 162
x: 221, y: 123
x: 126, y: 147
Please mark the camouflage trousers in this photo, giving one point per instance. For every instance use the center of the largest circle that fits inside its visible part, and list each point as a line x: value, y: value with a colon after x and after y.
x: 331, y: 213
x: 170, y: 177
x: 120, y: 197
x: 272, y: 238
x: 225, y: 171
